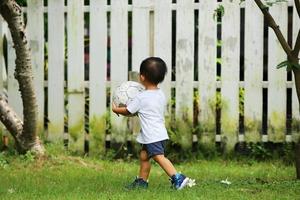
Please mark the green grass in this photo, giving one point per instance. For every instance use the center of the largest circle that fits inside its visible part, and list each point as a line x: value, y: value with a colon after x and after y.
x: 71, y: 177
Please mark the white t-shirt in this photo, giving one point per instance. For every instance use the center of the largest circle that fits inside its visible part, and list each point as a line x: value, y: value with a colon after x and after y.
x: 150, y: 107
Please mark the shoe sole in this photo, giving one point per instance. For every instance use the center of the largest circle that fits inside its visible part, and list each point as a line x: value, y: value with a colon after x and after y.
x: 184, y: 183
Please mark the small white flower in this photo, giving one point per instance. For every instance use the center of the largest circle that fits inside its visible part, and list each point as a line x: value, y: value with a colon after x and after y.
x: 10, y: 190
x: 191, y: 182
x: 226, y: 182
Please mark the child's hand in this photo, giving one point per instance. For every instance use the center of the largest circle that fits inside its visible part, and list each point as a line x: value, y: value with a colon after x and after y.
x: 114, y: 108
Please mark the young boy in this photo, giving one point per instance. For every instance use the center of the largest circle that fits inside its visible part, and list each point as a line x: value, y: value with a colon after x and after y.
x: 150, y: 106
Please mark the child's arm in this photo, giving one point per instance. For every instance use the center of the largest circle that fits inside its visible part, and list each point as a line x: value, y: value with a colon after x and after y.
x: 120, y: 110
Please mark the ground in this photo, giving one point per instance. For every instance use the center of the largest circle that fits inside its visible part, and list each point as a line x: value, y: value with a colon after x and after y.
x: 72, y: 177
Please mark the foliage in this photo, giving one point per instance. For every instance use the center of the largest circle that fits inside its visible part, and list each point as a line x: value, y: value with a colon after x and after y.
x: 289, y: 65
x: 180, y: 132
x: 241, y: 101
x: 219, y: 12
x: 28, y: 157
x: 266, y: 152
x: 3, y: 161
x: 22, y: 2
x: 258, y: 151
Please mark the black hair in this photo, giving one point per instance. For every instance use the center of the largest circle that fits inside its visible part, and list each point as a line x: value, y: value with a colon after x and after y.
x: 154, y: 69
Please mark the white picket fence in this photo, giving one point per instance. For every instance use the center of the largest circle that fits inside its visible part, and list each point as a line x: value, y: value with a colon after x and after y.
x: 152, y: 36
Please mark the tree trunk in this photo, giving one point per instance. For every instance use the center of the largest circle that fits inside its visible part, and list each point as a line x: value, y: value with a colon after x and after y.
x: 297, y: 147
x: 26, y: 138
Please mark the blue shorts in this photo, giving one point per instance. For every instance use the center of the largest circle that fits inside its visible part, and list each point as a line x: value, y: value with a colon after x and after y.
x: 155, y: 148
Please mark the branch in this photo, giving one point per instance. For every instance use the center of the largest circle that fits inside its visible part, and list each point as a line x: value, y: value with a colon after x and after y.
x: 271, y: 23
x: 297, y: 4
x: 297, y: 46
x: 9, y: 118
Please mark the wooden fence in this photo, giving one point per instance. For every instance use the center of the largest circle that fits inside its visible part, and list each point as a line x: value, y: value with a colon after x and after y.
x: 222, y: 85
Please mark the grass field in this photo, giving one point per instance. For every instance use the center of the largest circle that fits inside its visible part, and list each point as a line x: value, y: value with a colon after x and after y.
x: 70, y: 177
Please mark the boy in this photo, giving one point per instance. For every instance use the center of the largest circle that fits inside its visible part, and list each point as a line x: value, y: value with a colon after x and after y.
x: 150, y: 105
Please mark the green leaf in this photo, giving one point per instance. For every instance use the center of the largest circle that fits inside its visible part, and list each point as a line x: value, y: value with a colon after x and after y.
x: 219, y: 43
x: 283, y: 64
x: 289, y: 65
x: 219, y: 11
x: 270, y: 3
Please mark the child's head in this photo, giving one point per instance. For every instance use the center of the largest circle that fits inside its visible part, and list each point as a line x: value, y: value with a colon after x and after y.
x: 153, y: 70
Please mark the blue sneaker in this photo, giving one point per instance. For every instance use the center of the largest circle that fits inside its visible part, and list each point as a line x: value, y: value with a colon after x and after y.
x: 179, y: 181
x: 137, y: 183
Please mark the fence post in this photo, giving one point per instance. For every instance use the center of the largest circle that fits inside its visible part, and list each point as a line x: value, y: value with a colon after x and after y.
x: 163, y: 41
x: 98, y: 71
x: 254, y: 41
x: 35, y: 28
x: 185, y: 70
x: 76, y: 100
x: 3, y: 75
x: 277, y: 78
x: 56, y: 70
x: 140, y: 32
x: 230, y: 74
x: 119, y: 62
x: 207, y: 72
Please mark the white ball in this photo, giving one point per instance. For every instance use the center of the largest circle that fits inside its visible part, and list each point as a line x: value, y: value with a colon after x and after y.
x: 126, y: 92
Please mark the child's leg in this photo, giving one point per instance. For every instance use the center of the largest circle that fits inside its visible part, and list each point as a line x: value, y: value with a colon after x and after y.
x: 5, y: 142
x: 145, y: 165
x: 166, y: 164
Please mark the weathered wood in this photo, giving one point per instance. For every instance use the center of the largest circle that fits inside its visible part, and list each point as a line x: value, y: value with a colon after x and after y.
x: 119, y: 61
x: 3, y: 73
x: 140, y: 32
x: 277, y: 78
x: 230, y: 73
x: 56, y: 65
x: 133, y: 122
x: 98, y: 69
x: 35, y: 29
x: 163, y: 41
x: 76, y: 100
x: 207, y: 71
x: 254, y: 27
x: 295, y: 101
x: 185, y: 69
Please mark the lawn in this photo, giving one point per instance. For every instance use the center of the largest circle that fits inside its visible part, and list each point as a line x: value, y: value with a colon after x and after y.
x: 72, y: 177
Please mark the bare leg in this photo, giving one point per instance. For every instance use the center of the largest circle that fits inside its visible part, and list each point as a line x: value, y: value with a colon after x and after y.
x: 145, y: 165
x: 5, y: 141
x: 166, y: 164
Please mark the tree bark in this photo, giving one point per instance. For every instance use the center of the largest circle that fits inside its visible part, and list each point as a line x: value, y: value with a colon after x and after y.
x: 297, y: 151
x: 297, y: 147
x: 27, y: 139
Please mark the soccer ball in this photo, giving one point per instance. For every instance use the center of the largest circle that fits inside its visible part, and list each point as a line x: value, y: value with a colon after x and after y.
x: 126, y: 92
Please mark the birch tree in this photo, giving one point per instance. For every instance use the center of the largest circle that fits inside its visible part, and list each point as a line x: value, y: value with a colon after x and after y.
x: 24, y: 132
